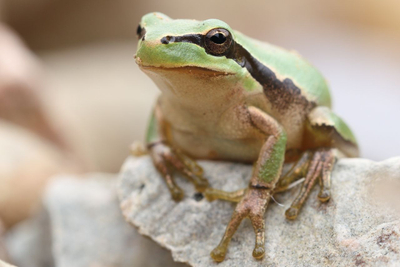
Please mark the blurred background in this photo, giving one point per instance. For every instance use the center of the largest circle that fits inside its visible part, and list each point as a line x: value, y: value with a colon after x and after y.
x: 95, y: 95
x: 73, y: 100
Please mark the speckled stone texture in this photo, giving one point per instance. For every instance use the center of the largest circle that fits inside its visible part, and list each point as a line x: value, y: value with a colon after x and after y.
x: 359, y: 226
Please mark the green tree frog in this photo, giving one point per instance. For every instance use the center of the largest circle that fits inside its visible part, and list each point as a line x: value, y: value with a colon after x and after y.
x: 226, y: 96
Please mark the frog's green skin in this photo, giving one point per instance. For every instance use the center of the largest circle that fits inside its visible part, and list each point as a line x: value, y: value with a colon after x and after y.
x: 254, y: 102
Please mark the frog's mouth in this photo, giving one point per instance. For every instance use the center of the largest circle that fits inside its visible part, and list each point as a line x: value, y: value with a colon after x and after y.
x: 181, y: 69
x: 187, y: 70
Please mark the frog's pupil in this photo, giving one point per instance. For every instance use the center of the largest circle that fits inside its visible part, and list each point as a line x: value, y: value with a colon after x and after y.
x: 139, y: 30
x: 218, y: 38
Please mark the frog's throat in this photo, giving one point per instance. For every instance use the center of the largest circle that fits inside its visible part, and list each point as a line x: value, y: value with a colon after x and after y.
x: 281, y: 93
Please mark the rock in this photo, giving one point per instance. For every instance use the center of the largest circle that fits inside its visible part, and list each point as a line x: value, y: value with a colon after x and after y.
x: 29, y: 242
x: 83, y: 221
x: 27, y: 162
x: 353, y: 228
x: 3, y: 250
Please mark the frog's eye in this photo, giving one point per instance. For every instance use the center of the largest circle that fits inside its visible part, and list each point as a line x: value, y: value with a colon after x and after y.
x: 218, y: 42
x: 140, y: 31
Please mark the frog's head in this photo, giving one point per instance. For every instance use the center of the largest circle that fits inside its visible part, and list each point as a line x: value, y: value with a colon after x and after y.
x: 178, y: 54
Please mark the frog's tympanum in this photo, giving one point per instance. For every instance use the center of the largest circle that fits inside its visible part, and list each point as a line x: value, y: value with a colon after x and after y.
x: 226, y: 96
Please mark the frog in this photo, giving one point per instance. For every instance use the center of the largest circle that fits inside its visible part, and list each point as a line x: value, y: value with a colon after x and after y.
x: 229, y: 97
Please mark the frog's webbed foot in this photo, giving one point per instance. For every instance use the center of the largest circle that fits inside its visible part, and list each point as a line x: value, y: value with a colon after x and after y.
x: 166, y: 159
x: 317, y: 167
x: 252, y: 205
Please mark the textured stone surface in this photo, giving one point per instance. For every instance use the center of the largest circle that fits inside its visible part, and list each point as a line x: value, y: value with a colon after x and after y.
x: 354, y: 228
x: 82, y: 226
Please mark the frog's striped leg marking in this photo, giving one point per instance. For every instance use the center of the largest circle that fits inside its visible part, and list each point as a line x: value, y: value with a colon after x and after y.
x: 265, y: 176
x: 320, y: 168
x: 166, y: 158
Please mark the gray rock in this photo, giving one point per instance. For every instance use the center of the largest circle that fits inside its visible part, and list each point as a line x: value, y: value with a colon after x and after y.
x: 29, y: 242
x: 82, y: 226
x: 358, y: 226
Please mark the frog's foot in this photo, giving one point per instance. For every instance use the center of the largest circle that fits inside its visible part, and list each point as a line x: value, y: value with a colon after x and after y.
x: 252, y: 205
x: 165, y: 159
x: 320, y: 168
x: 298, y: 171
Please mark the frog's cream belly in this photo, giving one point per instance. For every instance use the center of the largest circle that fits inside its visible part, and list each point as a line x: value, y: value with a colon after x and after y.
x: 232, y: 138
x: 214, y: 148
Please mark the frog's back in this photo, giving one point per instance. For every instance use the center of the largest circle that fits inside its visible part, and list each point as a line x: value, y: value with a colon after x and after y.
x: 289, y: 65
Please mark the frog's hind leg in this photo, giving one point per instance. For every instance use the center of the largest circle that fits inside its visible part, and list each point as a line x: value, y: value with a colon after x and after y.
x: 320, y: 169
x: 325, y: 133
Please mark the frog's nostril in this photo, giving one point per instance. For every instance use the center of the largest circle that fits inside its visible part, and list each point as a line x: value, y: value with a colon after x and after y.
x: 167, y: 39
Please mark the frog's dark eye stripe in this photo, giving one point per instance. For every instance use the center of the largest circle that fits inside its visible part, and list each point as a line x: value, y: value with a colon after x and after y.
x: 281, y: 93
x: 189, y: 38
x: 216, y: 42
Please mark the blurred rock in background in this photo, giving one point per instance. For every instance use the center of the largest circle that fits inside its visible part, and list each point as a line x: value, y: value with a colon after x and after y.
x: 31, y: 149
x: 27, y: 162
x: 21, y: 84
x: 3, y: 247
x: 81, y: 225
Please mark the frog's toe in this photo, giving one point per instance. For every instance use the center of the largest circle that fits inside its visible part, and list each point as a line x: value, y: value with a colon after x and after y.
x: 218, y: 253
x: 192, y: 172
x: 166, y: 160
x: 212, y: 194
x: 291, y: 213
x: 324, y: 195
x: 259, y: 251
x: 201, y: 184
x: 177, y: 193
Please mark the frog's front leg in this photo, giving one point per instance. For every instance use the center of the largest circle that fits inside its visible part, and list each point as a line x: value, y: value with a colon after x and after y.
x: 166, y: 158
x: 264, y: 178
